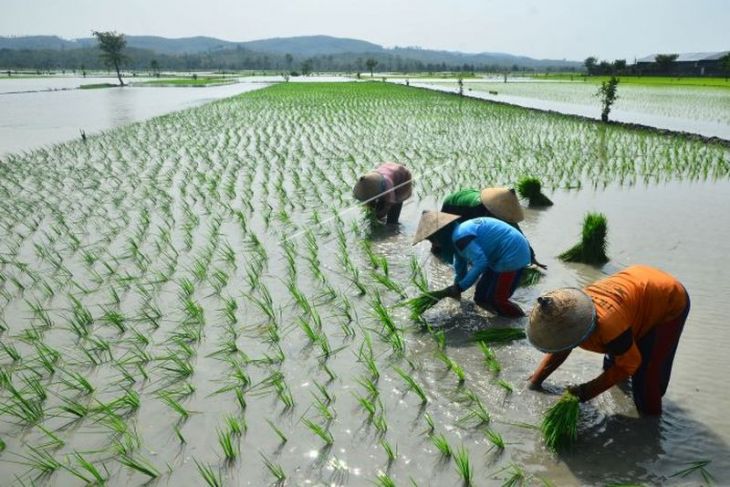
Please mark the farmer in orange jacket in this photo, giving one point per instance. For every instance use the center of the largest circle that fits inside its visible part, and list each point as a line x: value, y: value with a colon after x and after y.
x: 635, y: 317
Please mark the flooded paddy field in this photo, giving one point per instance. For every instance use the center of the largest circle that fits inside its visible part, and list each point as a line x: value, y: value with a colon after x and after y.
x: 703, y: 110
x: 197, y: 296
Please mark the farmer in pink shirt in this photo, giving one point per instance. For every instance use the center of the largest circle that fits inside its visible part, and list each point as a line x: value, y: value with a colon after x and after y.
x: 384, y: 190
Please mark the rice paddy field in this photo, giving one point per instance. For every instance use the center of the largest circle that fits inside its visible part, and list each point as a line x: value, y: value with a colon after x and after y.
x: 197, y: 300
x: 697, y: 109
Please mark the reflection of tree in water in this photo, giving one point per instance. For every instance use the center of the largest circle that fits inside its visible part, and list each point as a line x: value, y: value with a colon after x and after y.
x: 647, y: 450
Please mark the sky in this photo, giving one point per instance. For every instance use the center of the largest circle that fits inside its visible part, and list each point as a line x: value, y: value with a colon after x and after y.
x: 555, y: 29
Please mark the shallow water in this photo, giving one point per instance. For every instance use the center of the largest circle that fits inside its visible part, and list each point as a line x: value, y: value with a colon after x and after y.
x: 35, y: 119
x: 135, y: 212
x: 700, y: 110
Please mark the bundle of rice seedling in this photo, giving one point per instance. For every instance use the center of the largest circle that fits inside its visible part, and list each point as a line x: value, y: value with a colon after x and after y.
x: 592, y: 247
x: 494, y: 335
x: 560, y: 423
x: 421, y: 304
x: 530, y: 276
x: 531, y: 189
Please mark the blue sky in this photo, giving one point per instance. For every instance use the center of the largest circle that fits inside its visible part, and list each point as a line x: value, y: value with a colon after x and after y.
x: 571, y: 29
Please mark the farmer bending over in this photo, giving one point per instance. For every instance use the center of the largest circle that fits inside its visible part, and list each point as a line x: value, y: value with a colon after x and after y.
x: 484, y: 249
x: 384, y: 190
x: 635, y: 317
x: 499, y: 203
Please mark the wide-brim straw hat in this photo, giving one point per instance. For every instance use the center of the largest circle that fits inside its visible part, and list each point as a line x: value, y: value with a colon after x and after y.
x: 562, y: 319
x: 502, y: 203
x: 369, y: 186
x: 431, y: 222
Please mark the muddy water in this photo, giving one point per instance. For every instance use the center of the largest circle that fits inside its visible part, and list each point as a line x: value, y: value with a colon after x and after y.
x: 697, y: 110
x: 32, y: 119
x: 680, y: 227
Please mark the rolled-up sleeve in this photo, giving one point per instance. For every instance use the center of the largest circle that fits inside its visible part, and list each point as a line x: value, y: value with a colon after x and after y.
x: 474, y: 255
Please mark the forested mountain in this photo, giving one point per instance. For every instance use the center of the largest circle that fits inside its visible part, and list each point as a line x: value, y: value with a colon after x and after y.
x: 317, y: 53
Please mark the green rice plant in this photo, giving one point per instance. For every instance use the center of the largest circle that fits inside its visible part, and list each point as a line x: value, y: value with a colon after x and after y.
x: 75, y: 408
x: 421, y: 304
x: 26, y: 410
x: 495, y: 438
x: 478, y: 414
x: 96, y: 477
x: 490, y: 359
x: 592, y: 247
x: 320, y: 431
x: 384, y: 480
x: 54, y: 442
x: 412, y: 384
x: 505, y: 385
x: 698, y: 466
x: 236, y: 426
x: 380, y: 423
x: 517, y: 477
x: 530, y: 276
x: 499, y: 335
x: 210, y: 477
x: 388, y: 283
x: 278, y: 432
x: 367, y: 404
x: 369, y: 385
x: 560, y: 423
x: 173, y: 404
x: 229, y: 444
x: 442, y: 444
x: 452, y: 366
x: 531, y: 189
x: 41, y: 461
x: 390, y: 452
x: 418, y: 278
x: 463, y: 465
x: 141, y: 465
x: 429, y: 422
x: 275, y: 469
x: 116, y: 319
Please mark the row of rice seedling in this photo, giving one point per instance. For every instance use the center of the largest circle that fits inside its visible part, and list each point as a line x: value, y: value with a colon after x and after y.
x: 198, y: 277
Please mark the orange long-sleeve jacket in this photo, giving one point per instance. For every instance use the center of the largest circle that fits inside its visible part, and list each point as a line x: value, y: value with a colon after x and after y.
x: 628, y: 305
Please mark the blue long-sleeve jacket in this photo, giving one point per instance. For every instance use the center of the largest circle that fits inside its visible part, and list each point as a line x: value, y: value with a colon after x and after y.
x: 487, y: 243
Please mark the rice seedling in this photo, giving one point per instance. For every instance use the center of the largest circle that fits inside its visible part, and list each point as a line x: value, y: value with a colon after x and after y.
x: 420, y: 304
x: 278, y: 432
x: 11, y: 352
x: 384, y: 480
x: 495, y: 438
x: 41, y: 461
x: 412, y: 384
x: 592, y: 247
x: 499, y: 335
x: 531, y: 188
x: 699, y: 467
x: 173, y: 404
x: 442, y: 445
x: 390, y: 452
x: 530, y: 276
x: 517, y: 476
x: 505, y: 385
x: 478, y: 414
x: 140, y: 465
x: 275, y: 469
x: 463, y: 465
x: 560, y: 423
x: 429, y: 422
x: 229, y: 445
x: 210, y: 477
x: 96, y: 477
x: 452, y: 366
x: 320, y: 431
x: 490, y: 359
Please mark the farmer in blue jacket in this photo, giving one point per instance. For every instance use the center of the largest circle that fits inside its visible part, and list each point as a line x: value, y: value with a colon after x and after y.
x: 485, y: 251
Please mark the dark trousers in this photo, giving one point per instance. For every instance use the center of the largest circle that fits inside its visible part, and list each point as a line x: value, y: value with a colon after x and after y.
x: 495, y: 288
x: 394, y: 214
x: 658, y: 347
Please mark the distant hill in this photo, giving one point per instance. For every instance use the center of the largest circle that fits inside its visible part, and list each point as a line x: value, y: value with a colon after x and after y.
x: 321, y: 52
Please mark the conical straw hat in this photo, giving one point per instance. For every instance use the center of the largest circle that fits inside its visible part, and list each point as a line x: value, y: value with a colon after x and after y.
x: 369, y: 186
x: 562, y: 319
x: 502, y: 203
x: 431, y: 222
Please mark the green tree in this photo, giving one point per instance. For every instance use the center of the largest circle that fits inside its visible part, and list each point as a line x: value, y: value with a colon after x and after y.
x: 665, y: 62
x: 725, y: 65
x: 155, y: 68
x: 112, y: 46
x: 590, y: 63
x: 619, y: 65
x: 608, y: 95
x: 289, y: 59
x: 306, y: 67
x: 370, y: 64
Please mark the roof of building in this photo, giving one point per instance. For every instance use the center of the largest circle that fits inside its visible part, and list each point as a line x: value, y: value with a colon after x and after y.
x: 689, y: 57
